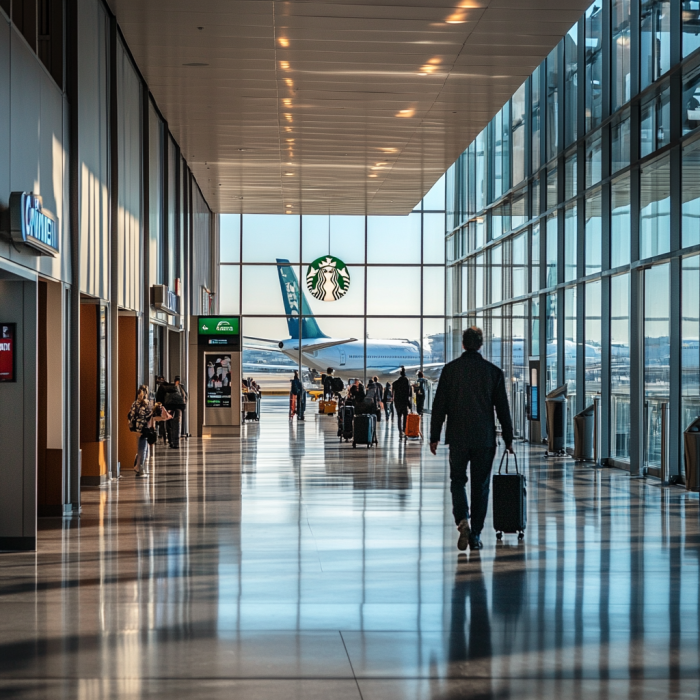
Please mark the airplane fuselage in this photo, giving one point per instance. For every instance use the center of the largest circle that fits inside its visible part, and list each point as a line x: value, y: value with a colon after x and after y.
x: 384, y: 357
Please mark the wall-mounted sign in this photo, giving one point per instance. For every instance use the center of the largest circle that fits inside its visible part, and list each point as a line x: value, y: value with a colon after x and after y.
x: 30, y: 226
x: 219, y: 330
x: 165, y: 300
x: 218, y: 381
x: 7, y: 352
x: 328, y: 278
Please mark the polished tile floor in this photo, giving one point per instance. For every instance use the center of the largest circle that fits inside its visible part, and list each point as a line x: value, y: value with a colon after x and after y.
x: 285, y: 565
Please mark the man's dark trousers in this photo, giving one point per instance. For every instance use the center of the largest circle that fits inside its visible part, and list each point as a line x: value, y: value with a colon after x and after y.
x: 401, y: 415
x: 480, y: 461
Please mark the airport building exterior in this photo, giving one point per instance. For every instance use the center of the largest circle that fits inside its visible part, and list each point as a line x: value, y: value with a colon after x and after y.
x: 573, y: 229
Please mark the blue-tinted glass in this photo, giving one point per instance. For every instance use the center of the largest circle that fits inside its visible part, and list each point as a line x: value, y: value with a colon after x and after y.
x: 691, y: 194
x: 230, y: 289
x: 480, y: 164
x: 519, y: 215
x: 552, y: 250
x: 535, y: 318
x: 551, y: 334
x: 655, y: 206
x: 535, y: 258
x: 267, y: 238
x: 620, y: 55
x: 594, y: 159
x: 479, y: 282
x: 691, y: 26
x: 552, y: 188
x: 519, y: 132
x: 655, y: 40
x: 691, y: 99
x: 570, y: 177
x: 394, y: 239
x: 656, y: 122
x: 496, y: 269
x: 552, y: 143
x: 620, y: 366
x: 433, y: 239
x: 435, y: 199
x: 536, y: 118
x: 571, y: 84
x: 433, y: 291
x: 621, y: 222
x: 570, y: 316
x: 594, y: 65
x: 620, y: 143
x: 690, y: 335
x: 341, y: 236
x: 519, y: 257
x: 593, y: 340
x: 230, y: 238
x: 570, y: 242
x: 594, y: 244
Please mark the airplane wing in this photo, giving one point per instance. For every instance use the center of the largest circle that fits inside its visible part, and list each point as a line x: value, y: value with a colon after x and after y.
x: 427, y: 367
x: 262, y: 340
x: 266, y: 348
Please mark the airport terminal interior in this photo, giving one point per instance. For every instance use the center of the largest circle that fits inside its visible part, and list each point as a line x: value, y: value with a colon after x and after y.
x: 223, y: 224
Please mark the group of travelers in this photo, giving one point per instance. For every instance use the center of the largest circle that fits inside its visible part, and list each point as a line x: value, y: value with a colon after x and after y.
x: 162, y: 415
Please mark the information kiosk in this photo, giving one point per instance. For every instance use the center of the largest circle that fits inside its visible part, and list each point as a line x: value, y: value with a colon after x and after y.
x: 215, y: 360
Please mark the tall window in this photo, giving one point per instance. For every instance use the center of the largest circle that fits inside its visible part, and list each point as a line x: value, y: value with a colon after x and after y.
x: 655, y: 40
x: 655, y: 204
x: 536, y: 118
x: 691, y: 194
x: 594, y: 65
x: 620, y: 54
x: 519, y: 132
x: 690, y: 343
x: 620, y: 366
x: 571, y: 84
x: 552, y: 143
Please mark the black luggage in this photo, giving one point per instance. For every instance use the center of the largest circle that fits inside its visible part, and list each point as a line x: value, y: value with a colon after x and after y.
x: 253, y: 396
x: 345, y: 418
x: 364, y: 430
x: 509, y: 501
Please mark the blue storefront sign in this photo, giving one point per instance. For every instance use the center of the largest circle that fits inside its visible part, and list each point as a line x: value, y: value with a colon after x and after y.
x: 30, y: 226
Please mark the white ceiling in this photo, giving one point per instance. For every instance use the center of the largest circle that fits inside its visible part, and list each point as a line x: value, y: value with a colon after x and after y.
x: 350, y: 107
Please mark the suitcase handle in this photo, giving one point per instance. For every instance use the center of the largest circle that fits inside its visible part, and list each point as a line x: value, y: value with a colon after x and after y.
x: 506, y: 456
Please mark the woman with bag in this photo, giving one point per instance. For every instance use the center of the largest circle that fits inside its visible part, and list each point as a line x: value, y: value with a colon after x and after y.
x: 141, y: 421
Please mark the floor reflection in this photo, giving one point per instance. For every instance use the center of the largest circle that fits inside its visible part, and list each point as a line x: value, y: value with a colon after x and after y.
x: 288, y: 563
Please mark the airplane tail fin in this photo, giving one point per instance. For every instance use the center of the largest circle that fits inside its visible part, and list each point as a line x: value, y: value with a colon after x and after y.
x: 295, y: 304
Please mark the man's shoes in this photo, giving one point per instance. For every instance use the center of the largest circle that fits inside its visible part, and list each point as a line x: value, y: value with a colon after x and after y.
x: 464, y: 535
x: 475, y: 542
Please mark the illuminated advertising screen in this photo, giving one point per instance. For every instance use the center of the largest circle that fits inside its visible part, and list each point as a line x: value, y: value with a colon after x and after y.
x: 217, y: 381
x: 7, y: 352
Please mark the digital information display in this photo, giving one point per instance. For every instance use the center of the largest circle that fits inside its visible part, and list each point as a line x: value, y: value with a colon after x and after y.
x: 217, y: 381
x: 7, y: 352
x: 219, y: 330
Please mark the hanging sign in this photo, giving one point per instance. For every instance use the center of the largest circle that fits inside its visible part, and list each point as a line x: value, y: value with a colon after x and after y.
x: 328, y: 278
x: 7, y: 352
x: 30, y: 226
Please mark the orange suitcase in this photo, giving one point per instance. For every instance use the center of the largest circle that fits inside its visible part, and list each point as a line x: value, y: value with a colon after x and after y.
x: 413, y: 426
x: 330, y: 407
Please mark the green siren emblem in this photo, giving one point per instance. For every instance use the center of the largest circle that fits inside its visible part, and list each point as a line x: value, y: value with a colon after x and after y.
x: 328, y: 278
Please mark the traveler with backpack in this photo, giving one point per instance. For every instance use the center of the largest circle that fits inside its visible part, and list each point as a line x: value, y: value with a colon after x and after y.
x: 388, y: 400
x: 175, y: 404
x: 141, y: 421
x: 374, y: 397
x: 328, y: 384
x: 421, y: 391
x: 296, y: 397
x: 402, y: 401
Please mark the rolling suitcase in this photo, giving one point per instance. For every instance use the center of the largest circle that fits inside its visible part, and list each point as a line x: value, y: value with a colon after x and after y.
x: 364, y: 430
x: 252, y: 406
x: 413, y: 426
x: 509, y: 501
x: 330, y: 407
x: 321, y: 406
x: 345, y: 418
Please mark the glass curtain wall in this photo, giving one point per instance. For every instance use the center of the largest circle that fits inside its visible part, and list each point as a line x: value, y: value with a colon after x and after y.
x: 377, y: 303
x: 615, y: 238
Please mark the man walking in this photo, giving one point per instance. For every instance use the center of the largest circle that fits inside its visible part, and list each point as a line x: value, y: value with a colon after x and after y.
x: 402, y: 401
x: 469, y: 390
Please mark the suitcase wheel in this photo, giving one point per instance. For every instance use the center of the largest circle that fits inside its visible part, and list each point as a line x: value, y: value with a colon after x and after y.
x: 499, y: 535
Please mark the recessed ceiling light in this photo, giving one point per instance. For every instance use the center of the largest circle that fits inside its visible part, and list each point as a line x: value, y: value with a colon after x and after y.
x: 283, y: 41
x: 195, y: 65
x: 288, y: 174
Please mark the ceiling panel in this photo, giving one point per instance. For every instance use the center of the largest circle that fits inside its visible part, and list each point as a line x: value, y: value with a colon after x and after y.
x: 336, y: 106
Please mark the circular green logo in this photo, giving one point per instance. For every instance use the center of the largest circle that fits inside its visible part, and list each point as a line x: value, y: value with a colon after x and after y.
x: 328, y: 278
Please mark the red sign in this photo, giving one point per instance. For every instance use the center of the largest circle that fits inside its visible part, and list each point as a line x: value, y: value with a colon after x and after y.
x: 7, y: 352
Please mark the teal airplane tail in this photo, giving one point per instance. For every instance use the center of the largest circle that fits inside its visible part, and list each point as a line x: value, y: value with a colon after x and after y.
x: 295, y: 303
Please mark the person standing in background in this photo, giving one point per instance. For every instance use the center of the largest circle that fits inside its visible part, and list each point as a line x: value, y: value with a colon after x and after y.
x: 402, y: 401
x: 183, y: 391
x: 421, y: 391
x: 140, y: 418
x: 388, y: 401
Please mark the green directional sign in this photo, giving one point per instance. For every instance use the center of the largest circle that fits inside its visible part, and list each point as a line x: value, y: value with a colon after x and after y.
x: 219, y: 326
x: 328, y: 278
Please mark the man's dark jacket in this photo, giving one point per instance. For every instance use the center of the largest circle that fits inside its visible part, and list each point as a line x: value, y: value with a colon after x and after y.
x: 402, y: 391
x: 470, y: 388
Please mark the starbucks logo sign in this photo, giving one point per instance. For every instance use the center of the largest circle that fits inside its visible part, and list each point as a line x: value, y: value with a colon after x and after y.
x: 328, y: 278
